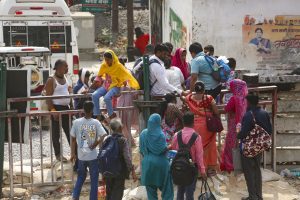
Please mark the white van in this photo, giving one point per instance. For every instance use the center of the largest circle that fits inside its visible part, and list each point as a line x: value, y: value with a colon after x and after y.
x: 43, y: 23
x: 28, y: 68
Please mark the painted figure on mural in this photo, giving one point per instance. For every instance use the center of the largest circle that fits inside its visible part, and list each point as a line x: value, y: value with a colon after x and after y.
x: 263, y: 45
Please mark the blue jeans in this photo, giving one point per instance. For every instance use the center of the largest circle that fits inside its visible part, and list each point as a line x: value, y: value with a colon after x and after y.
x: 187, y: 190
x: 94, y: 175
x: 108, y: 95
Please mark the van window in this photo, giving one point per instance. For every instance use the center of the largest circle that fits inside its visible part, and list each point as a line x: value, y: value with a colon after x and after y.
x: 60, y: 37
x: 18, y: 35
x: 38, y: 36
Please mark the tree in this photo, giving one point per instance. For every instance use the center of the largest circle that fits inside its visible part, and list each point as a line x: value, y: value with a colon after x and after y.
x: 130, y: 24
x: 115, y: 20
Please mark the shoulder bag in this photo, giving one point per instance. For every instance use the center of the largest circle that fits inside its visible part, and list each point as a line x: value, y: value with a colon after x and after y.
x: 213, y: 122
x: 257, y: 141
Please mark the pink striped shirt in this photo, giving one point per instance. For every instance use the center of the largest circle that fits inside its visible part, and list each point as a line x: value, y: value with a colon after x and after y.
x: 196, y: 149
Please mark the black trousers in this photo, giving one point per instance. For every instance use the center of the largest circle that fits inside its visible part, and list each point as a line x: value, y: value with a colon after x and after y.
x: 251, y: 169
x: 215, y: 92
x: 56, y: 129
x: 115, y: 188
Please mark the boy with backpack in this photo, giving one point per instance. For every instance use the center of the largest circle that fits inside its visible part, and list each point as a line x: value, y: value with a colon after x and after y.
x: 188, y: 160
x: 115, y: 162
x: 86, y: 133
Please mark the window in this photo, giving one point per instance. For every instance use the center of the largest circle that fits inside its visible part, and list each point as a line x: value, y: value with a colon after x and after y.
x: 69, y: 39
x: 38, y: 36
x: 56, y: 38
x: 6, y: 35
x: 60, y: 39
x: 18, y: 35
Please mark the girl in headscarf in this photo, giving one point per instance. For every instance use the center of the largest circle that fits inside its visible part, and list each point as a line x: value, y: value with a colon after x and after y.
x: 179, y: 60
x: 114, y: 71
x: 155, y: 165
x: 81, y: 87
x: 236, y: 108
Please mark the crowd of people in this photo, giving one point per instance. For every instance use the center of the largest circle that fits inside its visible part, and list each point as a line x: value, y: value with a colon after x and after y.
x: 191, y: 94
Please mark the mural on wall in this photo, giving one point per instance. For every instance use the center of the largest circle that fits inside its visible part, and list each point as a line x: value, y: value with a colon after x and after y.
x: 178, y: 34
x: 275, y: 41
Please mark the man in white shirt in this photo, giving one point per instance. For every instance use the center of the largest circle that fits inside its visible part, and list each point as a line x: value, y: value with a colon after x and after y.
x: 158, y: 78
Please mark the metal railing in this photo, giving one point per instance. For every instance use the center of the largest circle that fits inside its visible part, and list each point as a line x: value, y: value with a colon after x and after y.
x: 273, y: 102
x: 9, y: 115
x: 23, y: 148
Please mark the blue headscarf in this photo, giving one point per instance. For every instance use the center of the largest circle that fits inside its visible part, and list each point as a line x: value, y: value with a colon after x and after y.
x: 153, y: 139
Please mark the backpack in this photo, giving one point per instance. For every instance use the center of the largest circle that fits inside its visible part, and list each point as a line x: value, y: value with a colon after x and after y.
x: 110, y: 165
x: 138, y: 74
x: 183, y: 169
x: 221, y: 71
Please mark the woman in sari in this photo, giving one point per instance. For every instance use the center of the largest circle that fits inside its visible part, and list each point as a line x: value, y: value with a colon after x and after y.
x: 155, y: 165
x: 203, y: 105
x: 172, y: 117
x: 179, y: 60
x: 236, y: 108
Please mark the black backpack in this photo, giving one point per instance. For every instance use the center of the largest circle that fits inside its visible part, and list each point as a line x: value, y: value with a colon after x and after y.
x: 183, y: 169
x: 139, y: 73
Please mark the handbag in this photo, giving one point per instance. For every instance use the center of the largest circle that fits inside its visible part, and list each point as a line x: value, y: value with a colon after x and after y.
x: 213, y: 122
x: 206, y: 194
x: 257, y: 141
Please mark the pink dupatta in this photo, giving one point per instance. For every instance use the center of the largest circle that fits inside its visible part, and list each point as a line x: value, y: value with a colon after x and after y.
x: 182, y: 65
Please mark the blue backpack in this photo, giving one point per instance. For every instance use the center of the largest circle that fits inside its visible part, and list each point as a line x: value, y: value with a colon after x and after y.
x: 221, y: 71
x: 110, y: 165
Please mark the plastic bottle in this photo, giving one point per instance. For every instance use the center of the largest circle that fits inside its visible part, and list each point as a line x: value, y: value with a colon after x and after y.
x: 295, y: 173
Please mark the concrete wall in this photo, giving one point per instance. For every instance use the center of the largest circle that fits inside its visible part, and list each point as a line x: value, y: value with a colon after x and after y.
x: 85, y: 29
x: 220, y: 23
x: 184, y: 13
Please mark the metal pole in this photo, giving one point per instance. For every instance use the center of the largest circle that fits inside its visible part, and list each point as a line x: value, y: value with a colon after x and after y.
x: 2, y: 120
x: 146, y: 73
x: 274, y: 116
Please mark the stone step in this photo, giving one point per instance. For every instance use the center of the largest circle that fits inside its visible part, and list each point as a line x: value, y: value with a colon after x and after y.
x: 288, y: 139
x: 286, y: 154
x: 288, y: 105
x: 287, y: 122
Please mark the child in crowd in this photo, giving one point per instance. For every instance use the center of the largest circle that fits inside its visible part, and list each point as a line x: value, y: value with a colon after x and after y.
x: 96, y: 83
x: 196, y: 153
x: 81, y: 87
x: 86, y: 134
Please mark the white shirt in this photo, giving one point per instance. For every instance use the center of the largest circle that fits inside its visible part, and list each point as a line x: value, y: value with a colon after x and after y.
x: 175, y: 77
x: 162, y: 85
x: 61, y: 90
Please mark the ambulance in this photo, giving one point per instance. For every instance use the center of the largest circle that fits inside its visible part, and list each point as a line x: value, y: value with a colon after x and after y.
x: 42, y: 23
